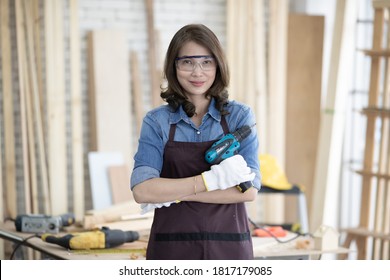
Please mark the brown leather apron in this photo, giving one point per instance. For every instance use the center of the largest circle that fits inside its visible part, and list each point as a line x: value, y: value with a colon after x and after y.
x: 194, y: 230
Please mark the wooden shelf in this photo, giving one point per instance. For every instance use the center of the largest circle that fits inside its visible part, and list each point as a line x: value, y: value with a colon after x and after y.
x: 373, y: 174
x: 366, y: 232
x: 382, y: 112
x: 378, y: 4
x: 376, y: 53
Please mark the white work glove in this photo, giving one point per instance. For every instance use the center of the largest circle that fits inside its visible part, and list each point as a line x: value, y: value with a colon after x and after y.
x: 146, y: 207
x: 230, y: 172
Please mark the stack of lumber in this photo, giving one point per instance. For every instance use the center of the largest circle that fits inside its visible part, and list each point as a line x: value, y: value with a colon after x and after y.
x: 44, y: 139
x: 35, y: 105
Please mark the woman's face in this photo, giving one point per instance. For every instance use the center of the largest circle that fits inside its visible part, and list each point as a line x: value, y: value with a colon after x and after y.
x: 195, y: 80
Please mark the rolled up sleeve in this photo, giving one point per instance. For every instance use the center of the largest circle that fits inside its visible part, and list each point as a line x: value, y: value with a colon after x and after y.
x: 149, y: 158
x: 141, y: 174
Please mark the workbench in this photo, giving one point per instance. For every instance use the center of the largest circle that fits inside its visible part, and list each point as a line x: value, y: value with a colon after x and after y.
x: 125, y: 251
x: 264, y: 248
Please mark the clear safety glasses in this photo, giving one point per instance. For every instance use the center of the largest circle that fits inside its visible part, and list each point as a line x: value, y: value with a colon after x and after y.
x: 189, y: 63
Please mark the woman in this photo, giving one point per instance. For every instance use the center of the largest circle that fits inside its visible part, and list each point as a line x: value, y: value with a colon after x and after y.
x: 199, y: 211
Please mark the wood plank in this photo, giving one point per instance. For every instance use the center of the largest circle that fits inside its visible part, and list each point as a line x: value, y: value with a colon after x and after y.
x: 39, y: 103
x: 110, y: 128
x: 137, y: 90
x: 370, y: 174
x: 37, y: 117
x: 241, y: 37
x: 328, y: 162
x: 231, y: 44
x: 386, y: 194
x: 119, y: 178
x: 1, y: 194
x: 55, y: 98
x: 20, y: 38
x: 382, y: 52
x: 380, y: 3
x: 76, y: 107
x: 154, y: 80
x: 386, y: 208
x: 237, y: 25
x: 383, y: 160
x: 8, y: 111
x: 119, y: 209
x: 116, y: 212
x: 277, y: 47
x: 261, y: 90
x: 370, y: 125
x: 98, y: 163
x: 276, y: 118
x: 367, y: 233
x: 3, y: 25
x: 378, y: 112
x: 249, y: 95
x: 31, y: 196
x: 30, y: 189
x: 382, y: 215
x: 1, y: 189
x: 38, y: 19
x: 303, y: 100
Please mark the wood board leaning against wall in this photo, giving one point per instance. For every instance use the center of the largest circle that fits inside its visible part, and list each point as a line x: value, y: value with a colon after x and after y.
x: 303, y: 98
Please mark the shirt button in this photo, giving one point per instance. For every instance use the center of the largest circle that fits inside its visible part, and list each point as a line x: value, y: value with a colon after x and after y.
x: 198, y: 132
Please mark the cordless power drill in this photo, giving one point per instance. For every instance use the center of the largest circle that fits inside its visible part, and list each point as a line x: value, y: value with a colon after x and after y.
x: 97, y: 239
x: 227, y: 147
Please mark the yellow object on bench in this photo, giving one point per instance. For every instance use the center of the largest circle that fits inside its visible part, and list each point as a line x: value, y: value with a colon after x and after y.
x: 272, y: 174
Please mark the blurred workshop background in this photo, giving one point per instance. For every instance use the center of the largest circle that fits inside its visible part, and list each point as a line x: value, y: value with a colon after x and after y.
x: 77, y: 76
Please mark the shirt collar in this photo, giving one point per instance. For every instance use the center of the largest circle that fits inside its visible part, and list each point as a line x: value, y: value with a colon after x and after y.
x: 179, y: 115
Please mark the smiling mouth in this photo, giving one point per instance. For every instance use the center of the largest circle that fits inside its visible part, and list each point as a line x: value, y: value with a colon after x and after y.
x: 197, y: 84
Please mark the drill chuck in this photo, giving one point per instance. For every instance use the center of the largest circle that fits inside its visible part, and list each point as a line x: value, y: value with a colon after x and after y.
x: 242, y: 133
x: 118, y: 237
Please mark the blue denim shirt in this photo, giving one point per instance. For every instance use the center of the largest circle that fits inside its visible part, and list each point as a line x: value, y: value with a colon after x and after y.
x: 155, y: 132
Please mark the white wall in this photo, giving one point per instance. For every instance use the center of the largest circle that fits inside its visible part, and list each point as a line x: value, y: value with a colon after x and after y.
x: 169, y: 16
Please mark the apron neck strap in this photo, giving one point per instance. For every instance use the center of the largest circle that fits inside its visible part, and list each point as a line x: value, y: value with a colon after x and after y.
x: 224, y: 125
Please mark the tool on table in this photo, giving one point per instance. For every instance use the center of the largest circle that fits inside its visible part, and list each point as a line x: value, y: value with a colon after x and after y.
x: 38, y: 223
x: 97, y: 239
x: 228, y: 146
x: 270, y: 231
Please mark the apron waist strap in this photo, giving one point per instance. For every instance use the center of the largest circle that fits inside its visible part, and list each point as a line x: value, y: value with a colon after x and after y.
x: 194, y: 236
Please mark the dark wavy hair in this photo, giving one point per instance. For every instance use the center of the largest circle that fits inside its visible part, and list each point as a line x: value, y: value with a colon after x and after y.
x: 174, y: 94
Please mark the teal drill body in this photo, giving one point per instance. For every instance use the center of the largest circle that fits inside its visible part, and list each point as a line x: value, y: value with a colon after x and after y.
x: 227, y: 147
